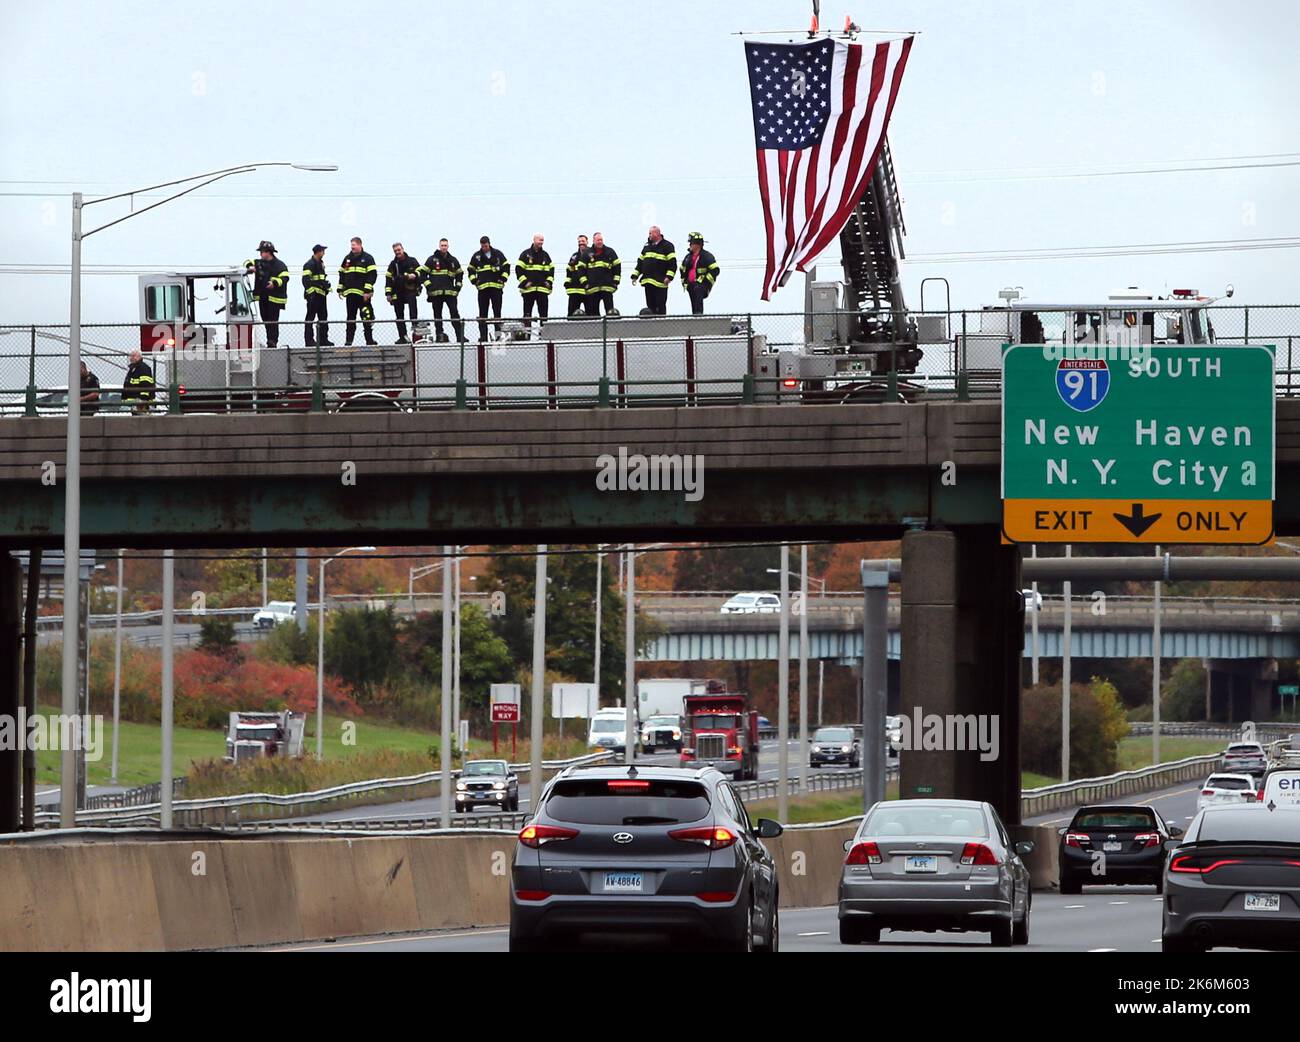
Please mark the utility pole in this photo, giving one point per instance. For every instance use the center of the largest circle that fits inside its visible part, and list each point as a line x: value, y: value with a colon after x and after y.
x: 595, y: 679
x: 803, y: 668
x: 455, y: 651
x: 444, y: 754
x: 1155, y: 672
x: 1033, y: 626
x: 168, y: 656
x: 629, y: 652
x: 783, y: 694
x: 535, y: 711
x: 875, y: 678
x: 117, y: 668
x: 1065, y: 680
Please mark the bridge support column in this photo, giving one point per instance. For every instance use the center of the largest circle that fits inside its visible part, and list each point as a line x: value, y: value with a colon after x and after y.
x: 962, y: 642
x: 11, y: 747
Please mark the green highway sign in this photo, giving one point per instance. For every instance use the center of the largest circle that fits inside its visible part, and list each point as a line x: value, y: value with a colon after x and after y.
x: 1140, y: 444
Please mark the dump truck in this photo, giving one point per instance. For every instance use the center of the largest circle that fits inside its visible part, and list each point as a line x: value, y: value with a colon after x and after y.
x: 720, y: 730
x: 252, y: 735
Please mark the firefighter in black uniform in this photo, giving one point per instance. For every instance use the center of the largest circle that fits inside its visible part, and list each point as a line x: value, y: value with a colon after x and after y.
x: 402, y: 288
x: 654, y: 270
x: 316, y: 291
x: 270, y: 287
x: 604, y: 271
x: 138, y: 383
x: 443, y: 277
x: 699, y: 272
x: 356, y: 287
x: 575, y: 277
x: 489, y: 270
x: 536, y: 274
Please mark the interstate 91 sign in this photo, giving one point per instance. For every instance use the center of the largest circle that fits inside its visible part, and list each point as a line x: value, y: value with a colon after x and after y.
x: 1104, y: 444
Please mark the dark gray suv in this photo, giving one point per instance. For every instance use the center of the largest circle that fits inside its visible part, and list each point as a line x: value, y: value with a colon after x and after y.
x: 644, y: 850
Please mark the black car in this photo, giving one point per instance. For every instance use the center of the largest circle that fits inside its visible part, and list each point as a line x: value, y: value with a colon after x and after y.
x: 1114, y: 844
x: 645, y: 850
x: 1234, y: 881
x: 840, y: 745
x: 488, y: 783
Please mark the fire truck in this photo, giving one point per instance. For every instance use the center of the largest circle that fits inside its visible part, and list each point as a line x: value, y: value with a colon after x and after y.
x: 719, y: 730
x: 252, y: 736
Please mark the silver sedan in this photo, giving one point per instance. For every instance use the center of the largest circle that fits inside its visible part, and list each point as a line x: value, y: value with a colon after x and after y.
x: 934, y: 865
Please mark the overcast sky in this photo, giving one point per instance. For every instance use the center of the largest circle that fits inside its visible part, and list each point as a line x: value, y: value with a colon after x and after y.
x: 515, y: 117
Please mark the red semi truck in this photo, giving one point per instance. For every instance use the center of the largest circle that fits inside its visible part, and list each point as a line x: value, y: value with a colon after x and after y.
x: 720, y: 731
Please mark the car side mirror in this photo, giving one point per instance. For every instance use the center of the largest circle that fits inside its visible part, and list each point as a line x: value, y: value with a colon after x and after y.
x: 1025, y: 847
x: 1175, y: 831
x: 1063, y: 830
x: 1171, y: 844
x: 768, y: 829
x: 848, y: 845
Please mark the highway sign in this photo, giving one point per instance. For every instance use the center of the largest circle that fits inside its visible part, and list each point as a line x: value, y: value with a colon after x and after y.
x: 1107, y: 444
x: 505, y: 703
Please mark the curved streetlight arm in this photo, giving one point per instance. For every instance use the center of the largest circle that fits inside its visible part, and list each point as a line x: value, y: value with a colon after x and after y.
x: 161, y: 202
x: 241, y: 168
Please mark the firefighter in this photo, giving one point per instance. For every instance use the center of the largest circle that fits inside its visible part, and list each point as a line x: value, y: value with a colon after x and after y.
x: 270, y: 287
x: 138, y: 384
x: 357, y: 287
x: 316, y: 291
x: 402, y: 288
x: 489, y: 270
x: 575, y: 277
x: 89, y: 391
x: 443, y: 278
x: 536, y: 274
x: 699, y: 272
x: 604, y: 270
x: 654, y: 270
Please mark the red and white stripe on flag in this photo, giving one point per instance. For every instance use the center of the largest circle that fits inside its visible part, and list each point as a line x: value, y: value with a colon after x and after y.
x: 810, y: 191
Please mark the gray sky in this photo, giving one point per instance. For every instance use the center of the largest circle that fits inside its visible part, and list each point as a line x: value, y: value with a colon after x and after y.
x: 515, y: 117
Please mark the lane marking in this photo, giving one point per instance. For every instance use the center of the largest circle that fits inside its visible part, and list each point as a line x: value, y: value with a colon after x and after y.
x: 1102, y: 949
x: 1118, y: 902
x: 815, y: 933
x: 1076, y: 906
x: 392, y: 940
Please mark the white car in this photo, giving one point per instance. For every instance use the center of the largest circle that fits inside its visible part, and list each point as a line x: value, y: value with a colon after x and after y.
x: 1032, y: 598
x: 752, y: 604
x: 275, y: 613
x: 1220, y: 789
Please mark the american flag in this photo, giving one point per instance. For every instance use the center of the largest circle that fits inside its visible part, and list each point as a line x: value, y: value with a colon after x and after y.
x: 820, y: 114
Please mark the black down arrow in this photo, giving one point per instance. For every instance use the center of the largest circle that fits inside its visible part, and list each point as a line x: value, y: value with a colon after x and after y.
x: 1135, y: 521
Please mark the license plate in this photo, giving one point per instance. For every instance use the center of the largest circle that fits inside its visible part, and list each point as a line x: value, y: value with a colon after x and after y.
x: 1263, y: 902
x: 622, y: 882
x: 1112, y: 846
x: 921, y: 863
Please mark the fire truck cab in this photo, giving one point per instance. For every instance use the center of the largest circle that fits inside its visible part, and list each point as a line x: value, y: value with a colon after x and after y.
x: 719, y: 731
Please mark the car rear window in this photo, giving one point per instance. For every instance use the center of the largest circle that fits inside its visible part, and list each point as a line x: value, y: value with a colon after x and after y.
x: 1227, y: 781
x: 1244, y: 750
x: 1223, y: 825
x: 911, y: 819
x: 597, y: 801
x: 1114, y: 819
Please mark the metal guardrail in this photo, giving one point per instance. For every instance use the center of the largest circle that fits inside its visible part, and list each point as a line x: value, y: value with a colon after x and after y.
x: 226, y: 810
x: 1122, y: 783
x: 1228, y: 732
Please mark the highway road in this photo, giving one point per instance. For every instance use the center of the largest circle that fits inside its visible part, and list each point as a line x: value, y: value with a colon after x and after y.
x: 1101, y: 920
x: 432, y: 806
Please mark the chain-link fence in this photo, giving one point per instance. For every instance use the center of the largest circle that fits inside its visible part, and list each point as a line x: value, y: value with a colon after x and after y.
x: 612, y: 360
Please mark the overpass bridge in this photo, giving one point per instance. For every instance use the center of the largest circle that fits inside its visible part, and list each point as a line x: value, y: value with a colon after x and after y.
x: 528, y: 475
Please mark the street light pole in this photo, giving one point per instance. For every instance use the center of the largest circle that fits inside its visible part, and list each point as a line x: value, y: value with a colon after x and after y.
x: 803, y: 667
x: 629, y: 655
x: 444, y: 756
x: 535, y: 711
x: 117, y: 668
x: 455, y: 649
x: 783, y: 694
x: 320, y: 646
x: 168, y: 655
x: 72, y: 446
x: 595, y: 679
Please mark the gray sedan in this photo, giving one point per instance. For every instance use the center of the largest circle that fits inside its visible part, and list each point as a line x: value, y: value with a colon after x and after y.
x: 934, y: 865
x: 1234, y: 880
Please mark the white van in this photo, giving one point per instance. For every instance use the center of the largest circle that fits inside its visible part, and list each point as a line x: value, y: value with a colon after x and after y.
x: 607, y: 731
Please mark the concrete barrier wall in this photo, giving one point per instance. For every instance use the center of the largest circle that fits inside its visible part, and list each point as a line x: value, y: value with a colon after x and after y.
x: 181, y: 894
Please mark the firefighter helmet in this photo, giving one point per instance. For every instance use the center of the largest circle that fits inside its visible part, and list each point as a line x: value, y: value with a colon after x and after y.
x: 266, y: 246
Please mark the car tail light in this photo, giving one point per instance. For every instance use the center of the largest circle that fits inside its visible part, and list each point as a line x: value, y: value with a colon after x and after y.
x: 866, y: 853
x: 1259, y: 796
x: 977, y: 854
x: 788, y: 382
x: 532, y: 895
x: 717, y: 896
x: 713, y: 837
x: 1148, y: 839
x: 1207, y: 792
x: 625, y: 786
x: 1077, y: 839
x: 538, y: 835
x: 180, y: 389
x: 1199, y: 864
